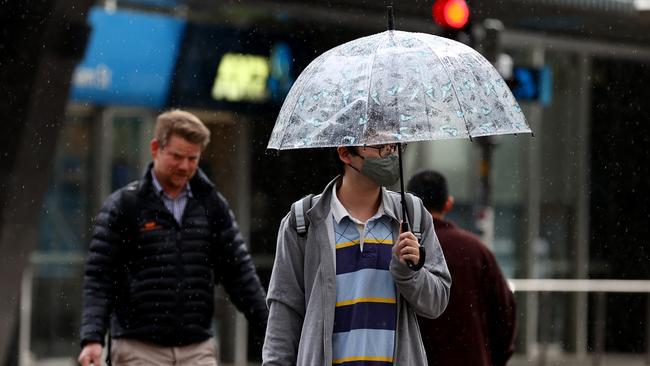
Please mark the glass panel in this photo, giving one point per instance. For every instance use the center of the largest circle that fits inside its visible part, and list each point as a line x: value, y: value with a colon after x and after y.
x: 65, y: 216
x: 509, y: 182
x: 63, y: 237
x: 127, y: 146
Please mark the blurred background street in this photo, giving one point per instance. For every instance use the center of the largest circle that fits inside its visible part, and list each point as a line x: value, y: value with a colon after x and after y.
x: 81, y: 83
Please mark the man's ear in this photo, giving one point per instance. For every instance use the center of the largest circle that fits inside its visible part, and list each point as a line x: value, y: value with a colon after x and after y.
x: 344, y: 154
x: 448, y: 204
x: 154, y: 148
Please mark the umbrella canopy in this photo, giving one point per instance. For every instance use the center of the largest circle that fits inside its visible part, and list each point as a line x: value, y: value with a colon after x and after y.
x: 395, y: 87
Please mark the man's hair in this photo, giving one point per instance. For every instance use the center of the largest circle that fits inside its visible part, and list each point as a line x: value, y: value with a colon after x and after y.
x: 182, y: 124
x: 431, y: 187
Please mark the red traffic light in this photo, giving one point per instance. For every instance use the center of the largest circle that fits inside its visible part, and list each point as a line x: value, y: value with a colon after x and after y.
x: 451, y: 13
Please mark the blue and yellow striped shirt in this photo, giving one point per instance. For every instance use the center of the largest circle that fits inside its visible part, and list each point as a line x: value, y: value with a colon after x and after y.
x: 365, y: 314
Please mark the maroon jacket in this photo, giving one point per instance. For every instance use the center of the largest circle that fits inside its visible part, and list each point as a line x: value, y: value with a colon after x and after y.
x: 478, y: 326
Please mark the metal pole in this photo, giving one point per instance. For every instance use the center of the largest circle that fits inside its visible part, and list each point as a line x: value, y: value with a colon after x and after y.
x: 533, y: 208
x: 24, y: 353
x: 484, y: 170
x: 599, y: 336
x: 243, y: 218
x: 544, y: 327
x: 484, y: 210
x: 581, y: 261
x: 102, y: 165
x: 489, y: 45
x: 487, y: 41
x: 647, y: 330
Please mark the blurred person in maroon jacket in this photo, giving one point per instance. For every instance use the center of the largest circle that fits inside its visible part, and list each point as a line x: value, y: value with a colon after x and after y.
x: 478, y: 326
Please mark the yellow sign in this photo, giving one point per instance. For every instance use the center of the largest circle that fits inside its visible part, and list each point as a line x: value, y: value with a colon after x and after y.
x: 241, y: 78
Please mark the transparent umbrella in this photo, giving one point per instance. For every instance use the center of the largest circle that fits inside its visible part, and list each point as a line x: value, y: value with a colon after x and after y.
x: 396, y: 87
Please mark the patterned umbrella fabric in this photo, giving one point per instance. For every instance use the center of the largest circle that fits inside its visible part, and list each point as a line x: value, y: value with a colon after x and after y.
x: 394, y: 87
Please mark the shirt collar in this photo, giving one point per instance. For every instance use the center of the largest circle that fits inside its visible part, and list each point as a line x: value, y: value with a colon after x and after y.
x: 160, y: 191
x: 339, y: 211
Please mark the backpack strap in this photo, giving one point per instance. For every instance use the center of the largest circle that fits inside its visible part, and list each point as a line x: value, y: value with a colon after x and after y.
x: 298, y: 210
x: 414, y: 208
x: 130, y: 216
x: 130, y: 203
x: 301, y: 206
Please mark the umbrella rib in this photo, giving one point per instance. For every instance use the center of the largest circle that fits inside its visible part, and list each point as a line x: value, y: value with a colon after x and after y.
x: 308, y: 80
x: 424, y: 98
x: 453, y: 86
x: 372, y: 66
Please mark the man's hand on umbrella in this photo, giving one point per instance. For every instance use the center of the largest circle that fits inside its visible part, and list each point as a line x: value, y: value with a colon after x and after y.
x: 408, y: 248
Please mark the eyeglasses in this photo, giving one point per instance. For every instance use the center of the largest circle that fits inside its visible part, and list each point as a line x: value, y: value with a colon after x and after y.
x: 387, y: 150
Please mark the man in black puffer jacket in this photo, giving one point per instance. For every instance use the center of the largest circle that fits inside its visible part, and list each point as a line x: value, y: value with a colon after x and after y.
x: 158, y: 248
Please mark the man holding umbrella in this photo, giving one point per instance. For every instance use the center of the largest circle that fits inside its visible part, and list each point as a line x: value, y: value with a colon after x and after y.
x: 348, y: 282
x: 342, y: 293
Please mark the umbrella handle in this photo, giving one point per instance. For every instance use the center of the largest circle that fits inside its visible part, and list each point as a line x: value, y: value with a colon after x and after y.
x: 423, y: 254
x: 406, y: 228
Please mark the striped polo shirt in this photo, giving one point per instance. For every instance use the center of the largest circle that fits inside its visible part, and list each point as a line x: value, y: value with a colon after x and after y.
x: 365, y: 314
x: 175, y: 205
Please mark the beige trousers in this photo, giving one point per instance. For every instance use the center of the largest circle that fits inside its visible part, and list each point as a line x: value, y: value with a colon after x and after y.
x: 129, y: 352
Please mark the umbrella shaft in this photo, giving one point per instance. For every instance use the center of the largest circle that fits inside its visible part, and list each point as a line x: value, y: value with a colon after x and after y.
x: 401, y: 182
x: 390, y: 18
x: 405, y: 227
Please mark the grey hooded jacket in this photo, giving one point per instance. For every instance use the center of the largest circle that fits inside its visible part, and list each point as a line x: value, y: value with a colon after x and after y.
x: 302, y: 291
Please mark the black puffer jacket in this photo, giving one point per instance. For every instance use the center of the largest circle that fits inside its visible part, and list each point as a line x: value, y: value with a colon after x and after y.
x: 155, y: 278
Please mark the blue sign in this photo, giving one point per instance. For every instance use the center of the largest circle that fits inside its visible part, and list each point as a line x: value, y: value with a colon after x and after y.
x: 130, y: 59
x: 281, y: 79
x: 153, y: 3
x: 532, y: 84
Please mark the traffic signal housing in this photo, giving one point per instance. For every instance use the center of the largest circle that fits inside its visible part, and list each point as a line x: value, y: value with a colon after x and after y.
x: 453, y: 17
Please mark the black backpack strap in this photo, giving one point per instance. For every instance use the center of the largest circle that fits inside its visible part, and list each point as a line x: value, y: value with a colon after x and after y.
x: 130, y: 209
x: 130, y: 217
x: 130, y: 204
x: 299, y: 210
